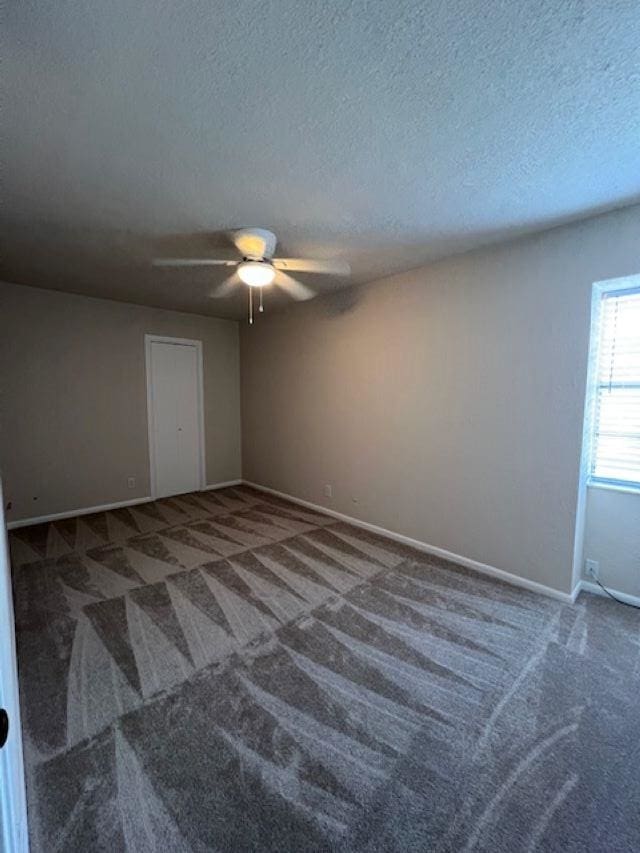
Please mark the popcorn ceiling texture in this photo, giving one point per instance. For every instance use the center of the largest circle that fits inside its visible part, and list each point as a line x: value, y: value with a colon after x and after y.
x: 384, y: 133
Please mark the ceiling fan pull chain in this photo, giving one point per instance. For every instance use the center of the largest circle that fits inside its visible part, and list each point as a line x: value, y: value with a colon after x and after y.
x: 261, y: 308
x: 250, y: 306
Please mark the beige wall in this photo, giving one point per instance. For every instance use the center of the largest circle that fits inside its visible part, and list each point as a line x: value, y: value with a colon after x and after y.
x: 445, y: 404
x: 612, y: 538
x: 74, y: 411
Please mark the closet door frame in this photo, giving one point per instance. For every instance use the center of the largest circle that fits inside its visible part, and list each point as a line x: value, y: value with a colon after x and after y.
x: 162, y: 339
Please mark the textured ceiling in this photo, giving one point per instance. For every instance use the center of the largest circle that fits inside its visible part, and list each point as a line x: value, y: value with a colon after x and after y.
x: 385, y: 133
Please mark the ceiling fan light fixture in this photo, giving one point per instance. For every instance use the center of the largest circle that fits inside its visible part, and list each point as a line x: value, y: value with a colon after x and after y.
x: 256, y: 273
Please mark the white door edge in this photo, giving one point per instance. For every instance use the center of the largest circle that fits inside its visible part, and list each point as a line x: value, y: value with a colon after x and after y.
x: 14, y: 833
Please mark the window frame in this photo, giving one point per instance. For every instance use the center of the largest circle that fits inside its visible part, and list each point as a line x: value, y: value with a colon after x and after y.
x: 601, y: 290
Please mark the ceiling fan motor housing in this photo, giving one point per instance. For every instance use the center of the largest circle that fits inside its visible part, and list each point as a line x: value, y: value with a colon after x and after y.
x: 255, y: 244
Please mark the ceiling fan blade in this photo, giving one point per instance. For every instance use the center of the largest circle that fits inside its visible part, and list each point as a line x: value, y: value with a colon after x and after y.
x: 254, y: 242
x: 193, y: 262
x: 294, y: 288
x: 300, y: 265
x: 226, y: 287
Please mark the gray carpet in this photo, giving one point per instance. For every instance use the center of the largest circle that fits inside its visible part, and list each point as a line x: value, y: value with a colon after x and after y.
x: 229, y: 672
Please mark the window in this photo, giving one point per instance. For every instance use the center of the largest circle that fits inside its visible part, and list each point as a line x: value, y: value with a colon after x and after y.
x: 615, y: 444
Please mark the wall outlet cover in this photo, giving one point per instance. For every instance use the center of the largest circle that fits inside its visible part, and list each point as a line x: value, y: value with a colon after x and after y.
x: 328, y: 491
x: 592, y: 569
x: 131, y: 483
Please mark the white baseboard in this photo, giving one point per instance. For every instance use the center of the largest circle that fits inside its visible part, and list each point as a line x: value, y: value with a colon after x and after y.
x: 88, y: 510
x: 594, y: 589
x: 71, y: 513
x: 575, y: 592
x: 483, y: 568
x: 223, y: 485
x: 467, y: 562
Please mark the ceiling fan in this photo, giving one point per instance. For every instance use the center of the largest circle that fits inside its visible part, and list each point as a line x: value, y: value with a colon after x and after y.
x: 257, y: 268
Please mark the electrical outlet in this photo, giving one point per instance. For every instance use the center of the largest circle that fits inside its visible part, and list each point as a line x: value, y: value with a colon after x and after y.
x: 592, y: 569
x: 131, y: 482
x: 328, y: 491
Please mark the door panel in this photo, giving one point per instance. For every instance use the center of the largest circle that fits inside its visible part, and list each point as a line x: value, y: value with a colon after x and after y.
x: 175, y: 418
x: 186, y: 366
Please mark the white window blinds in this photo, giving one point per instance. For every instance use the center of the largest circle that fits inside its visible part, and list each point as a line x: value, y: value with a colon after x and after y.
x: 616, y: 436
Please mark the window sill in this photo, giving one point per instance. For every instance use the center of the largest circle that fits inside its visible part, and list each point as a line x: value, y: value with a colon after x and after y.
x: 612, y: 487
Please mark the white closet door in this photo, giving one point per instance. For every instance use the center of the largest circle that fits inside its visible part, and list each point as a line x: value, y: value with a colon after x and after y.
x: 175, y: 418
